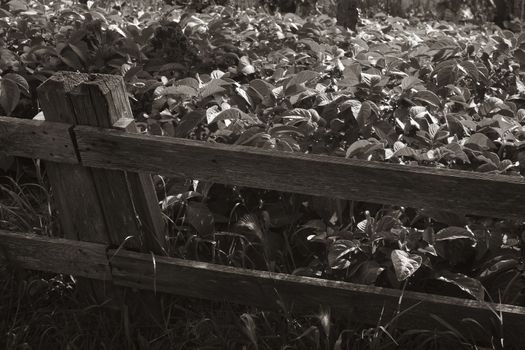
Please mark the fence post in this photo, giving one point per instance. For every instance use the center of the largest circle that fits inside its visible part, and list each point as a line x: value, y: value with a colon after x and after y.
x: 98, y: 205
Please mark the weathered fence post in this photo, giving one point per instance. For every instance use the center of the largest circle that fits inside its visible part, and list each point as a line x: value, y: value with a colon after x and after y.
x: 98, y: 205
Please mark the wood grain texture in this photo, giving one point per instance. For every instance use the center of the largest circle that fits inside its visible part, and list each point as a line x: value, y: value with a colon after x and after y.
x: 73, y: 188
x: 37, y: 139
x: 419, y: 187
x: 128, y: 200
x: 304, y: 294
x: 145, y: 199
x: 75, y: 196
x: 57, y: 255
x: 96, y: 100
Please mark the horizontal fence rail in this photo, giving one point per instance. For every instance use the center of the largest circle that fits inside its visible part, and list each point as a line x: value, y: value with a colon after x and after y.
x: 414, y: 186
x: 37, y: 139
x: 367, y: 304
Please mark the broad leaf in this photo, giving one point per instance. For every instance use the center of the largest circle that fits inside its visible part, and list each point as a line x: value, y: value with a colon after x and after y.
x: 19, y: 80
x: 9, y: 95
x: 367, y: 272
x: 339, y: 254
x: 454, y: 232
x: 480, y: 141
x: 179, y: 90
x: 470, y: 68
x: 231, y: 114
x: 405, y: 264
x: 214, y: 87
x: 427, y: 97
x: 467, y: 284
x: 302, y: 77
x: 261, y: 88
x: 189, y: 121
x: 191, y: 82
x: 410, y: 82
x: 200, y: 217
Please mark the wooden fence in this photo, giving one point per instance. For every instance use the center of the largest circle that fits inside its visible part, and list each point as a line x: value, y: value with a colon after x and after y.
x: 97, y: 166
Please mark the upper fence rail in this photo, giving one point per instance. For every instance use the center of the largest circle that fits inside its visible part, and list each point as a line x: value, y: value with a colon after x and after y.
x: 413, y: 186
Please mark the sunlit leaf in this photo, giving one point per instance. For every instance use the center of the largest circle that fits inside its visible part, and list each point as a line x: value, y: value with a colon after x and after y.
x: 179, y: 90
x: 405, y: 264
x: 215, y: 86
x: 467, y: 284
x: 303, y: 77
x: 428, y: 97
x: 338, y: 254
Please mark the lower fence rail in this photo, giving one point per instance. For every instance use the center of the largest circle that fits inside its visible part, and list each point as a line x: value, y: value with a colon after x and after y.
x: 367, y: 304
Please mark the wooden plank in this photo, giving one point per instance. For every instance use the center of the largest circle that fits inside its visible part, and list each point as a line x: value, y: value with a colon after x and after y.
x: 304, y: 294
x: 92, y: 102
x: 128, y: 200
x: 145, y: 199
x: 75, y: 197
x: 419, y: 187
x: 74, y: 191
x: 57, y: 255
x: 37, y: 139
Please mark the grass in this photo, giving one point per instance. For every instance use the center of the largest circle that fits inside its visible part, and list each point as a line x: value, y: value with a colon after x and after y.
x: 25, y: 205
x: 42, y: 311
